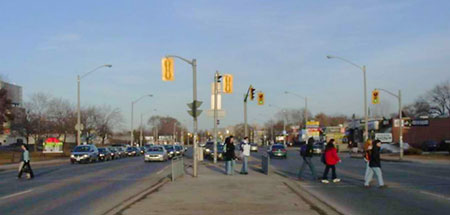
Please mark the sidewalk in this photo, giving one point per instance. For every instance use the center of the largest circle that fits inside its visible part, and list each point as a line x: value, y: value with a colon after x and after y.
x: 213, y: 192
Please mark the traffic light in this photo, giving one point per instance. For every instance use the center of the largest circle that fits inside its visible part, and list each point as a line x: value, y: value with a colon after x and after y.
x: 375, y: 97
x: 228, y: 83
x: 252, y: 93
x: 260, y: 98
x: 167, y: 69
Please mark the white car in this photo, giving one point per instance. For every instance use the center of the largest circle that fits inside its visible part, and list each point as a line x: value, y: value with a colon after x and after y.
x: 156, y: 153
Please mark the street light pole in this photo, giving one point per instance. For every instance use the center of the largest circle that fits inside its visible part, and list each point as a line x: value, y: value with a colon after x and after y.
x: 216, y: 91
x: 305, y: 112
x: 78, y: 126
x: 193, y: 63
x: 400, y: 115
x: 366, y: 116
x: 132, y: 116
x: 141, y: 132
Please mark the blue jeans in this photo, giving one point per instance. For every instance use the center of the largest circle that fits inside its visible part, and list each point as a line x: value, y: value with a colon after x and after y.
x: 244, y: 164
x: 307, y: 161
x: 369, y: 176
x: 229, y: 167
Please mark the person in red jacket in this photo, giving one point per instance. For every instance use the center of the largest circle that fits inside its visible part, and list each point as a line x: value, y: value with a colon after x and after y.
x: 331, y: 159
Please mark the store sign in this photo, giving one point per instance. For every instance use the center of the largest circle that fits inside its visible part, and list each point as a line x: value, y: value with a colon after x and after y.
x: 384, y: 137
x: 420, y: 122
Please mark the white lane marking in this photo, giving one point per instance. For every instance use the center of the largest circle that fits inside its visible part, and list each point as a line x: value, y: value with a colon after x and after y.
x: 15, y: 194
x: 159, y: 172
x: 435, y: 195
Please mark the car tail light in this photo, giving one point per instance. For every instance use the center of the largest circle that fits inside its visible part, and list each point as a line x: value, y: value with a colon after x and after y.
x: 284, y: 150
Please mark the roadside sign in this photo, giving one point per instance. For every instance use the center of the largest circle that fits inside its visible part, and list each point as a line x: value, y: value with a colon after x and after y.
x: 384, y: 137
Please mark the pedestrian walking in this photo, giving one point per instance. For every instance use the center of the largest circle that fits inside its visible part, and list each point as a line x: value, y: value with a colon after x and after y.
x: 245, y: 153
x: 375, y: 165
x: 230, y: 155
x: 306, y: 151
x: 331, y: 159
x: 367, y: 154
x: 25, y: 163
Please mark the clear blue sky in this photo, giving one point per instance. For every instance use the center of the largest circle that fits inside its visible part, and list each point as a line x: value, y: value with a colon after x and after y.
x: 274, y: 45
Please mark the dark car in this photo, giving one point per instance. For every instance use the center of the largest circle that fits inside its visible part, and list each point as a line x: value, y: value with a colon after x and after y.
x: 179, y: 150
x: 84, y: 154
x: 170, y: 150
x: 208, y: 149
x: 220, y: 152
x: 254, y: 147
x: 430, y: 146
x: 115, y: 154
x: 277, y: 150
x: 104, y: 154
x: 133, y: 151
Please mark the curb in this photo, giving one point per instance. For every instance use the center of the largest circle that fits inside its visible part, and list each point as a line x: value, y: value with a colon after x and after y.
x: 118, y: 209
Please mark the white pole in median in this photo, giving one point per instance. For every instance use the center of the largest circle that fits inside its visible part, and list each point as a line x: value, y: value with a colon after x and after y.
x: 132, y: 117
x: 216, y: 80
x: 401, y: 123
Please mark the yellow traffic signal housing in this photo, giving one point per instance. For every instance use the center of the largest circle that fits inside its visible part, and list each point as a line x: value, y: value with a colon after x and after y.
x: 260, y: 98
x: 167, y: 69
x: 375, y: 97
x: 252, y: 93
x: 228, y: 83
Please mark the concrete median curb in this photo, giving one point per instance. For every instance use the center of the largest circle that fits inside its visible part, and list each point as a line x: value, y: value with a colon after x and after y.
x: 118, y: 209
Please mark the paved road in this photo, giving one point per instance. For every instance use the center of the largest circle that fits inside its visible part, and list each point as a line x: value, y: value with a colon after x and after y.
x: 76, y: 189
x: 413, y: 188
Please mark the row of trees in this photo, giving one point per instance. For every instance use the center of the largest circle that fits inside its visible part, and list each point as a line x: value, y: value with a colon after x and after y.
x: 45, y: 116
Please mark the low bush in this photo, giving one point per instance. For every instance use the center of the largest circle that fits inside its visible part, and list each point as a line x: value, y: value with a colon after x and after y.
x: 413, y: 151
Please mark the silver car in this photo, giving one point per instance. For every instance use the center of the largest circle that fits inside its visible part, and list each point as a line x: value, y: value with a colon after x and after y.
x: 156, y: 153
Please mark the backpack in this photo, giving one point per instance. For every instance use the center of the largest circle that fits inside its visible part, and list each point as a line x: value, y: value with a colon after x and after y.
x: 303, y: 150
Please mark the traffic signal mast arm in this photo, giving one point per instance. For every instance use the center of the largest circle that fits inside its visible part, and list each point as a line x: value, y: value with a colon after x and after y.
x: 388, y: 92
x: 248, y: 91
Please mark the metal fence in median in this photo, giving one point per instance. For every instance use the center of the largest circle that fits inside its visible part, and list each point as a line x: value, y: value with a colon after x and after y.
x: 177, y: 167
x: 265, y: 164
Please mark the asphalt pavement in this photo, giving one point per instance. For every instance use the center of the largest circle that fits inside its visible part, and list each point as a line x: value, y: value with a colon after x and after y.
x: 414, y: 188
x: 79, y: 188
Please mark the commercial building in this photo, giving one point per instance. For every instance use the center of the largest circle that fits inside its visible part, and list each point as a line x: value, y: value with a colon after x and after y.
x: 14, y: 93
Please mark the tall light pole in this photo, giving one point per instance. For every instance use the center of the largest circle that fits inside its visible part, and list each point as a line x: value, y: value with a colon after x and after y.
x: 400, y: 134
x: 141, y: 132
x: 78, y: 126
x: 195, y: 103
x: 363, y: 69
x: 284, y: 121
x: 132, y: 116
x: 305, y: 114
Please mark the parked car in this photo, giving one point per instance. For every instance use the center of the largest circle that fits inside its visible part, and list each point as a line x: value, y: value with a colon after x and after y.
x: 430, y: 145
x: 208, y: 149
x: 170, y: 150
x: 393, y: 147
x: 84, y: 154
x: 254, y: 147
x: 132, y: 151
x: 121, y: 151
x: 156, y: 153
x: 142, y: 150
x: 104, y: 154
x: 277, y: 150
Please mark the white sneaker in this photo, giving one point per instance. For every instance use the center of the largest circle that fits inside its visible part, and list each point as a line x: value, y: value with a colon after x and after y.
x: 336, y: 180
x: 325, y: 181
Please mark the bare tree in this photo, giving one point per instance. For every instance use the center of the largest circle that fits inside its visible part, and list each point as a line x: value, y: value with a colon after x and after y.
x: 107, y: 120
x: 420, y: 107
x: 37, y: 117
x: 439, y: 98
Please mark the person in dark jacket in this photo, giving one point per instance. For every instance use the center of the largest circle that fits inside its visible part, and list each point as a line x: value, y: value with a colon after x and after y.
x: 375, y: 165
x: 307, y: 160
x: 230, y: 155
x: 25, y: 164
x: 331, y: 159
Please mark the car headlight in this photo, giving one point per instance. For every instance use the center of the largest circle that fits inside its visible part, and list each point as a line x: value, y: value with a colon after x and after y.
x: 86, y: 156
x: 72, y: 156
x: 171, y: 152
x: 207, y: 150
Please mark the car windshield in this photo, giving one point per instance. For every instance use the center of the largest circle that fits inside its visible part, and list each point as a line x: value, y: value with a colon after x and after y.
x: 82, y: 149
x: 131, y: 148
x: 101, y: 150
x: 277, y: 147
x: 155, y: 149
x: 168, y: 147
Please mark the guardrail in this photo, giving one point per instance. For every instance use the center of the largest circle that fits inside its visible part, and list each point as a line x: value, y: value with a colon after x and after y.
x: 265, y: 164
x: 177, y: 167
